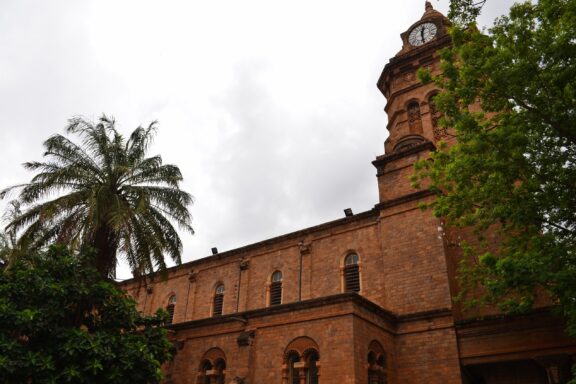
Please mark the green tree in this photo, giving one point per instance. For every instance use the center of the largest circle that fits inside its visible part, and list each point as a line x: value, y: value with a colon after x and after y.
x: 464, y: 12
x: 8, y: 242
x: 115, y: 198
x: 5, y: 249
x: 60, y: 322
x: 513, y: 169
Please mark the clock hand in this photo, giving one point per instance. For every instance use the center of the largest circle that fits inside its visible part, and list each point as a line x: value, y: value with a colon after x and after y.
x: 422, y: 34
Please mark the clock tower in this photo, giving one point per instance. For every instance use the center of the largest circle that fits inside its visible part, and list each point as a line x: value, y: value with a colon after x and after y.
x: 412, y: 117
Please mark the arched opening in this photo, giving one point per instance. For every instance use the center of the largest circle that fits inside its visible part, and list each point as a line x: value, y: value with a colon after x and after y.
x: 301, y: 362
x: 276, y: 288
x: 414, y: 117
x: 293, y: 371
x: 352, y: 273
x: 205, y: 372
x: 377, y: 373
x: 312, y: 357
x: 170, y: 308
x: 212, y: 368
x: 218, y: 301
x: 220, y: 368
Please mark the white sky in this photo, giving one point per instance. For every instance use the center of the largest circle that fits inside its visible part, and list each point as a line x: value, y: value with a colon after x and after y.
x: 269, y: 108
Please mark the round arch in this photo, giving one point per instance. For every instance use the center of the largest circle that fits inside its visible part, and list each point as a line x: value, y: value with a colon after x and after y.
x: 377, y: 362
x: 301, y: 361
x: 212, y: 367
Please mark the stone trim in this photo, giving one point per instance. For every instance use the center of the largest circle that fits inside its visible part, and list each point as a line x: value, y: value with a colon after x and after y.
x: 243, y: 317
x: 432, y: 46
x: 371, y: 214
x: 493, y: 324
x: 381, y: 161
x: 404, y: 199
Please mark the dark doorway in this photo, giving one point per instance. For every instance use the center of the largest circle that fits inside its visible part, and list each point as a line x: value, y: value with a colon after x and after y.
x: 513, y: 372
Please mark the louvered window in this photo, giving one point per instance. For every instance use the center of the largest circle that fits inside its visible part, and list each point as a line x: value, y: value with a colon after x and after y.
x: 170, y: 308
x: 276, y: 288
x: 218, y: 301
x: 351, y: 273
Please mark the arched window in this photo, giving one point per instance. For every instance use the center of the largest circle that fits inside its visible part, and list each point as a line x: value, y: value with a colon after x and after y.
x: 170, y: 308
x: 276, y: 288
x: 312, y: 359
x: 212, y: 370
x: 205, y: 373
x: 351, y: 273
x: 301, y: 362
x: 220, y: 368
x: 218, y: 300
x: 376, y: 364
x: 293, y: 371
x: 435, y: 115
x: 414, y: 118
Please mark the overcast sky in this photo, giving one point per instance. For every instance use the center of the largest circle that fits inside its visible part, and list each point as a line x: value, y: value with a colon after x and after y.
x: 269, y: 108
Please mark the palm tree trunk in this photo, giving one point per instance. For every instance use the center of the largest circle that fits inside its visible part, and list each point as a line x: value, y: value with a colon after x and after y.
x: 105, y: 242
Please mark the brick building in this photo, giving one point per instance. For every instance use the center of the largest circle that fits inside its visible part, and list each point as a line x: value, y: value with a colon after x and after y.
x: 363, y: 299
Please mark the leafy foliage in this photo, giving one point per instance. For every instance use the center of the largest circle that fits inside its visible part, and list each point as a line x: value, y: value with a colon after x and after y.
x: 463, y: 12
x: 61, y: 323
x: 513, y: 169
x: 8, y: 243
x: 110, y: 196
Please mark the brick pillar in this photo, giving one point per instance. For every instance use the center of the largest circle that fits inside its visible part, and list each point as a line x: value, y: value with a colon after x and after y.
x: 242, y: 286
x: 244, y: 361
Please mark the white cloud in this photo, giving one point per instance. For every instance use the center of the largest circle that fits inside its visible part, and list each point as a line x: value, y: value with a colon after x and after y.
x: 269, y: 108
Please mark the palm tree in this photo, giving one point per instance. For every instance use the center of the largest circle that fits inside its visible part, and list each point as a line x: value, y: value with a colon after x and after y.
x: 109, y: 196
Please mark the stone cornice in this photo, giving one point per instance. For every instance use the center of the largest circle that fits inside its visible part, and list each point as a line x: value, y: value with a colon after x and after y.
x: 495, y: 324
x: 297, y: 235
x: 404, y: 199
x: 321, y: 302
x: 289, y: 308
x: 384, y: 159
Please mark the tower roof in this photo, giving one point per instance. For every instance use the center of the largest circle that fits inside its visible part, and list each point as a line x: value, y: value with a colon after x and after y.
x: 431, y: 13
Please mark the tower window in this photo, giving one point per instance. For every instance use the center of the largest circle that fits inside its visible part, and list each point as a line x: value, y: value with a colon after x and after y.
x: 276, y: 288
x: 351, y: 273
x: 414, y: 118
x: 218, y: 300
x: 170, y: 308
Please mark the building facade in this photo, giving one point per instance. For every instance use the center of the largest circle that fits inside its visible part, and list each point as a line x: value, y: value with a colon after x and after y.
x: 364, y: 299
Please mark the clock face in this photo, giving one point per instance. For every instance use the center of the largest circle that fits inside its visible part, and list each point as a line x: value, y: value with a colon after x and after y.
x: 422, y: 34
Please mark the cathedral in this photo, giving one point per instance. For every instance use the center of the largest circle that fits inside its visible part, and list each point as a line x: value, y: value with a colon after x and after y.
x: 364, y: 299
